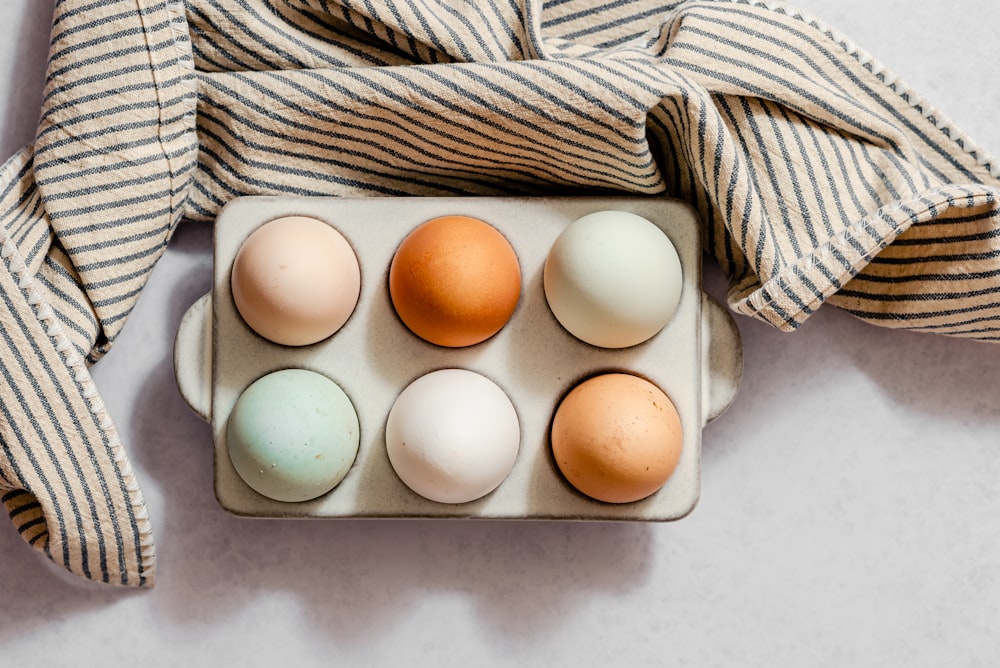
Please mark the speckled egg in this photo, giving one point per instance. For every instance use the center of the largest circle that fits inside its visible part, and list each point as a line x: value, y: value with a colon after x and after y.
x: 616, y: 438
x: 293, y: 435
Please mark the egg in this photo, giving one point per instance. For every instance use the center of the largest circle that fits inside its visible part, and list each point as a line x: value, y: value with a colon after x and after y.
x: 296, y: 280
x: 612, y: 279
x: 452, y: 436
x: 293, y: 435
x: 455, y: 281
x: 616, y: 438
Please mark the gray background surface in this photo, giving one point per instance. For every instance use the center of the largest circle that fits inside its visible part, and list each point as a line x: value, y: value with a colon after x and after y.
x: 850, y: 508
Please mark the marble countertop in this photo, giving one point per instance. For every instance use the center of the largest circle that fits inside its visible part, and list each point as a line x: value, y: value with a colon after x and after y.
x: 849, y: 512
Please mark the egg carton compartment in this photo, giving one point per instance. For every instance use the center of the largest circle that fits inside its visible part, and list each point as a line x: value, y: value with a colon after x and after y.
x: 696, y: 359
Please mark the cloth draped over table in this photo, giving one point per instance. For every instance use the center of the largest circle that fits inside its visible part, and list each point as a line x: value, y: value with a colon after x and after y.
x: 818, y: 175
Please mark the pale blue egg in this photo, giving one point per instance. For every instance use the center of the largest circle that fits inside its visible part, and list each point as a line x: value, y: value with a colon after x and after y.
x: 612, y: 279
x: 293, y: 435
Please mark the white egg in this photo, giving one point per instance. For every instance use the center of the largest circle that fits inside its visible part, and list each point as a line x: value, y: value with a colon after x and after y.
x: 612, y: 279
x: 452, y: 436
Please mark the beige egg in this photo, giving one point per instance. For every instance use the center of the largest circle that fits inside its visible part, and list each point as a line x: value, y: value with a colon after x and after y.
x: 296, y: 280
x: 616, y: 438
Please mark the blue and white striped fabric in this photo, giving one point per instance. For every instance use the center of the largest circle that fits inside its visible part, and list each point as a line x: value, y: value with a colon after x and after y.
x: 819, y: 177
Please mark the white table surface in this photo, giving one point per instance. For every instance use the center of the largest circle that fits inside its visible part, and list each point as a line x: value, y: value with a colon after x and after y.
x: 851, y: 519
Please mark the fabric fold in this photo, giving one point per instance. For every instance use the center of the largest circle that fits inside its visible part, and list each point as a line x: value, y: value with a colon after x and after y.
x: 84, y: 215
x: 65, y: 480
x: 115, y: 145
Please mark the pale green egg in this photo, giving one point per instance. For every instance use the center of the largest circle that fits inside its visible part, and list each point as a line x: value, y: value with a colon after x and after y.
x: 293, y: 435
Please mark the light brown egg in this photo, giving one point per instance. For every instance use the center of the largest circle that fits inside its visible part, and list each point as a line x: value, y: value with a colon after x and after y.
x: 616, y: 438
x: 296, y: 280
x: 455, y: 281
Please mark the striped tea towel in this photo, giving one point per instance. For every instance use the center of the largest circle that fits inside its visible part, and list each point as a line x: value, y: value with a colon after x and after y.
x: 819, y: 177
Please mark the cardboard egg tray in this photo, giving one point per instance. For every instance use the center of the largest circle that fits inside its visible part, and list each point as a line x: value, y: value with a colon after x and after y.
x: 696, y: 359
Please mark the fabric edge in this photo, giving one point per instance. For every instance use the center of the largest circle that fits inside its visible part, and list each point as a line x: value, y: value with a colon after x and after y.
x: 76, y: 367
x: 892, y: 83
x: 788, y: 299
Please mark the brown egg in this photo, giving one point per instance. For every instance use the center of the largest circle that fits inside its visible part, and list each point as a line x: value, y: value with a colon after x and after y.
x: 616, y: 438
x: 455, y: 281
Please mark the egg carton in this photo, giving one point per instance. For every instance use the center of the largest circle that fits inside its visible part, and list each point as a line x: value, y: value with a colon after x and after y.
x: 696, y: 359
